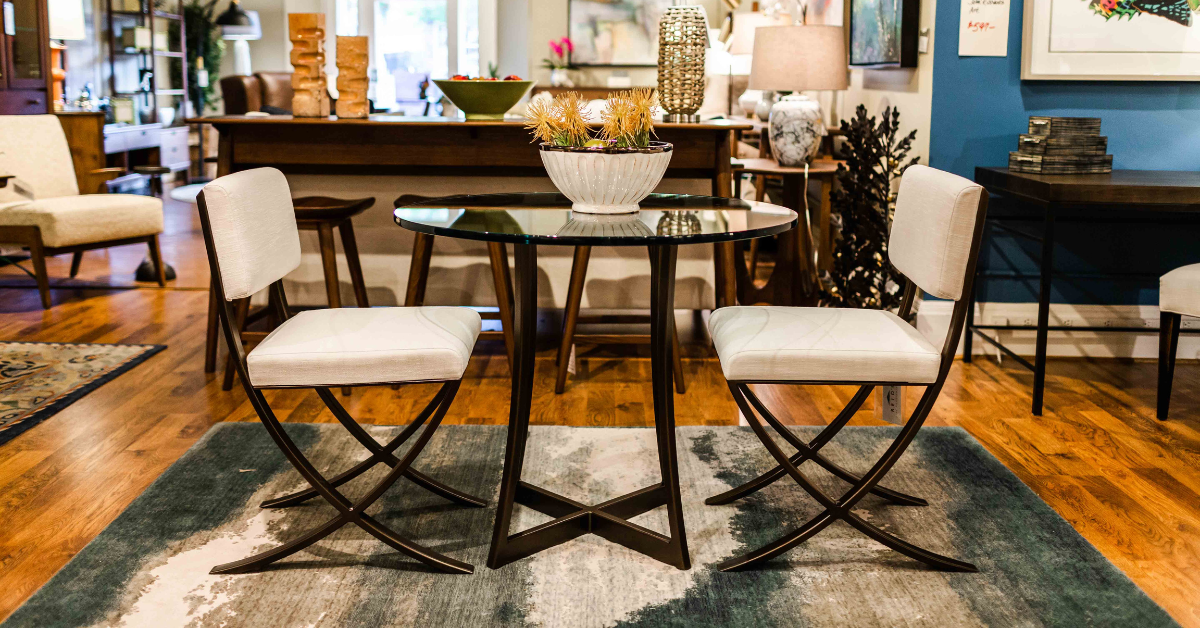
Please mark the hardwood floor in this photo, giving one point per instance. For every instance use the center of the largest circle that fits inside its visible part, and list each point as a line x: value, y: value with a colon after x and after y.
x: 1128, y: 482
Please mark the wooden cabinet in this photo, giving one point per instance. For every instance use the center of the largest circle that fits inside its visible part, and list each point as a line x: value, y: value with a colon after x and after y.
x: 24, y: 57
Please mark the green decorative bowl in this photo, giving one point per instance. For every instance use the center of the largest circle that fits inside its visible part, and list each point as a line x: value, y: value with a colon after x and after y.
x: 484, y: 100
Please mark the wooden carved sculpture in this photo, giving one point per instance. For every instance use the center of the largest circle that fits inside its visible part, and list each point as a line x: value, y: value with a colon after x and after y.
x: 352, y: 79
x: 307, y: 32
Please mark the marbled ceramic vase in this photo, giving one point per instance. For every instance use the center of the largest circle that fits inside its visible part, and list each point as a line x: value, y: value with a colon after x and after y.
x: 796, y: 130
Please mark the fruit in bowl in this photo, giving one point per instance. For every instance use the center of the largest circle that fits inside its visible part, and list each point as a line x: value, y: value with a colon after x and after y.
x: 484, y: 98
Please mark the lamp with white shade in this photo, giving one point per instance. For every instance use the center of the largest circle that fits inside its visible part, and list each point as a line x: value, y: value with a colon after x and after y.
x: 66, y: 24
x: 241, y: 27
x: 741, y: 51
x: 798, y: 58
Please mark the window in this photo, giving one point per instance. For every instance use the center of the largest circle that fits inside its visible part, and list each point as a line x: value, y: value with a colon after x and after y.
x: 413, y: 41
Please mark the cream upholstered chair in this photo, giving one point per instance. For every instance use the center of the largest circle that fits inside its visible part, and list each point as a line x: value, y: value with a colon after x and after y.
x: 42, y: 208
x: 1178, y: 295
x: 934, y: 243
x: 250, y: 231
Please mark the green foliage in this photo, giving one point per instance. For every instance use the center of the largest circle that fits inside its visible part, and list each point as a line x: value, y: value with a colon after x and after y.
x: 203, y: 40
x: 862, y: 276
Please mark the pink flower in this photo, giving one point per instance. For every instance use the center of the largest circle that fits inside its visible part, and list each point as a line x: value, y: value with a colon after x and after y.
x: 566, y: 42
x: 557, y: 48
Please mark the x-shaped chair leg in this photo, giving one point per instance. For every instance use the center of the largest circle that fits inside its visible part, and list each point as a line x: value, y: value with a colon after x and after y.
x: 379, y: 454
x: 349, y: 512
x: 810, y: 451
x: 841, y: 508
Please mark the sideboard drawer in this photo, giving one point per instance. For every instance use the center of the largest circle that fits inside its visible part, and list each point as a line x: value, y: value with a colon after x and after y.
x: 173, y: 147
x: 120, y: 139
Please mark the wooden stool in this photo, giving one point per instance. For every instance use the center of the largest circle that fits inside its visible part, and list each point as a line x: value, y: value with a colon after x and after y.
x: 571, y: 318
x: 418, y: 278
x: 321, y: 214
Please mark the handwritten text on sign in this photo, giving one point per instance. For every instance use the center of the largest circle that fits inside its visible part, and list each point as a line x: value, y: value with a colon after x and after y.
x: 983, y: 28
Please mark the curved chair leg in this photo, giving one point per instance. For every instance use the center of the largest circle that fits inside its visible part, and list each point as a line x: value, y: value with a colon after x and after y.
x: 783, y: 431
x: 816, y: 444
x: 349, y: 512
x: 841, y: 508
x: 810, y: 451
x: 379, y: 454
x: 914, y: 552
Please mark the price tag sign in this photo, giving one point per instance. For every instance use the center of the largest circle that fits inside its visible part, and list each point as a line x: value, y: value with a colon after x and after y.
x: 983, y: 28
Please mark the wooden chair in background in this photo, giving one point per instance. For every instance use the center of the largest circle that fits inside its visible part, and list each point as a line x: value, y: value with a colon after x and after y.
x: 418, y: 278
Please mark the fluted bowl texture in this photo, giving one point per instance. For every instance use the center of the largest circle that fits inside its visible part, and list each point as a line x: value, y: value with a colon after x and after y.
x: 606, y: 181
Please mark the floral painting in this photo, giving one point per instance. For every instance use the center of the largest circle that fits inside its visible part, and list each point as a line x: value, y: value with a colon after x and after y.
x: 615, y: 32
x: 1106, y: 26
x: 1179, y: 11
x: 1111, y: 40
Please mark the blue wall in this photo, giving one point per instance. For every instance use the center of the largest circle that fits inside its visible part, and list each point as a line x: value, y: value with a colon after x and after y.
x: 979, y: 107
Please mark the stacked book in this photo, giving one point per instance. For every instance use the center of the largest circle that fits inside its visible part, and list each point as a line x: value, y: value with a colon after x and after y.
x: 1062, y: 146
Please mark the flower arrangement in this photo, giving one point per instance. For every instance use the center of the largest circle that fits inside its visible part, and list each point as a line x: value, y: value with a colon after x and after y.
x: 559, y: 51
x: 626, y: 122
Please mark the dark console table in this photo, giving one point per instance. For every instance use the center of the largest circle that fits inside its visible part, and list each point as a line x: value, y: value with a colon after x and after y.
x: 1124, y: 196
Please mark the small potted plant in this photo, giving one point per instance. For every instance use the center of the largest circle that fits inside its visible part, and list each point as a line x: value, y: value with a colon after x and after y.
x: 609, y: 174
x: 558, y: 62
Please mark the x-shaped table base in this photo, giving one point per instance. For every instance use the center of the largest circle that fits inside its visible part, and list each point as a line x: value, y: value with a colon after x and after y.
x: 608, y: 520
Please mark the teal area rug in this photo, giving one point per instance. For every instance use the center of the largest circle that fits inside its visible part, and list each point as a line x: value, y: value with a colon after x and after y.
x: 38, y: 379
x: 150, y: 566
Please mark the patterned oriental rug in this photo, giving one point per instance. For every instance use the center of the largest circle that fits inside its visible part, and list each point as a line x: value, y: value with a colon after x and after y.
x: 38, y: 379
x: 150, y: 566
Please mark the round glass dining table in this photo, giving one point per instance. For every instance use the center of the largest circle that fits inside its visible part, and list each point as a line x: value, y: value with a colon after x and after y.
x: 527, y: 220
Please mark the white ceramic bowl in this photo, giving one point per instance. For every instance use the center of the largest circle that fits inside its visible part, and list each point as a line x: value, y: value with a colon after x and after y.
x: 606, y: 180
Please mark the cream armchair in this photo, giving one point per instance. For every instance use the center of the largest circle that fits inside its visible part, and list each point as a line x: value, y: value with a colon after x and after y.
x: 41, y: 206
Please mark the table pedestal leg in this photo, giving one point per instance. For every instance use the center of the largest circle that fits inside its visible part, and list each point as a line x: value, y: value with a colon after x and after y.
x: 572, y: 519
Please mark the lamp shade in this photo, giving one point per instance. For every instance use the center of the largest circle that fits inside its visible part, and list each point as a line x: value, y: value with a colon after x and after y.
x: 66, y: 20
x: 741, y: 41
x: 799, y: 58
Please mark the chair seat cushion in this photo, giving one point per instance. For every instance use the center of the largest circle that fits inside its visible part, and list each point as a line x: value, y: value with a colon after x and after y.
x: 87, y: 219
x: 803, y: 344
x: 348, y: 346
x: 1179, y: 291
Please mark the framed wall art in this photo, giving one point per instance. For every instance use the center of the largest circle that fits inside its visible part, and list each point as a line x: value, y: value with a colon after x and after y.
x: 883, y: 33
x: 1121, y: 40
x: 622, y: 33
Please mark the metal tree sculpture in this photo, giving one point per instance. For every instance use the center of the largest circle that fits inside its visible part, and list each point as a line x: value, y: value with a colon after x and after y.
x: 862, y: 276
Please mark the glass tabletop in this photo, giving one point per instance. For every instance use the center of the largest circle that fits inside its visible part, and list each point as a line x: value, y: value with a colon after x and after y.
x: 546, y: 218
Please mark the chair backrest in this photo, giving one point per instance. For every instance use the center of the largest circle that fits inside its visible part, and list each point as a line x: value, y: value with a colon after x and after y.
x: 933, y: 230
x: 277, y: 89
x: 253, y: 226
x: 241, y: 94
x: 34, y: 148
